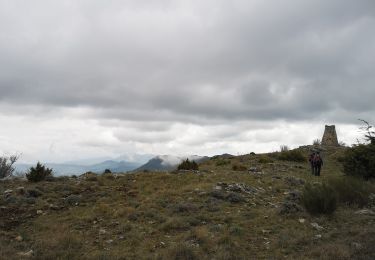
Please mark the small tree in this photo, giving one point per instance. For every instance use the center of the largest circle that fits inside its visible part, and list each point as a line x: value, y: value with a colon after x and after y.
x: 316, y: 142
x: 6, y: 165
x: 360, y: 159
x: 38, y: 173
x: 284, y: 148
x: 188, y: 165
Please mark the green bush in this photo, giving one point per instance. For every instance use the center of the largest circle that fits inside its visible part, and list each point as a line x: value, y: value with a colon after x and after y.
x: 38, y: 173
x: 351, y: 190
x: 265, y: 159
x: 292, y: 155
x: 360, y: 161
x: 188, y: 165
x: 319, y: 199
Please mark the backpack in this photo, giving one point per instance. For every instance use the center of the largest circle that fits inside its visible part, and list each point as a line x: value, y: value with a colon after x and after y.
x: 317, y: 160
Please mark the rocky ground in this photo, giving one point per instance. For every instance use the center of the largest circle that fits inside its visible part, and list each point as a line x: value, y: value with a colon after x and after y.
x: 252, y: 212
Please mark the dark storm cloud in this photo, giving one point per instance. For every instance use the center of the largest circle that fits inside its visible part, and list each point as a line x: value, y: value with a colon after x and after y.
x: 179, y: 61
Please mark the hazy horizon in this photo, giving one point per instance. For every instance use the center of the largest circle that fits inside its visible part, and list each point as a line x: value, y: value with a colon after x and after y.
x: 87, y: 79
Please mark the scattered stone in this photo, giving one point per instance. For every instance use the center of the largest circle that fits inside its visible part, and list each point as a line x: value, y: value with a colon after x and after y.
x: 318, y: 236
x: 356, y: 245
x: 102, y: 231
x: 235, y: 198
x: 54, y: 207
x: 39, y: 212
x: 255, y: 170
x: 235, y: 187
x: 109, y: 241
x: 218, y: 194
x: 8, y: 191
x: 316, y: 226
x: 276, y: 177
x: 288, y: 207
x: 365, y: 212
x: 19, y: 238
x: 73, y: 200
x: 293, y: 181
x: 294, y: 196
x: 33, y: 193
x: 26, y: 254
x: 20, y: 190
x: 301, y: 220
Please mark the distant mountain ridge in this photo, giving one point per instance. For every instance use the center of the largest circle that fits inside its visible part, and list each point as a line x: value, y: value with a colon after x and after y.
x: 71, y: 169
x: 168, y: 162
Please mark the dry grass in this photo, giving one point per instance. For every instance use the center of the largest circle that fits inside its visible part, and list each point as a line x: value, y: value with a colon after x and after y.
x: 178, y: 216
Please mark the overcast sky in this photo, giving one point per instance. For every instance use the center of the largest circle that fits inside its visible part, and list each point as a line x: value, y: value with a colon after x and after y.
x: 82, y: 79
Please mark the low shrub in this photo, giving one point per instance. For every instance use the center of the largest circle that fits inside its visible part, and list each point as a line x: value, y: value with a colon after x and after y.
x: 239, y: 167
x: 6, y: 165
x: 360, y: 161
x: 351, y: 190
x: 319, y: 199
x: 265, y: 159
x: 38, y: 173
x: 292, y: 155
x: 188, y: 165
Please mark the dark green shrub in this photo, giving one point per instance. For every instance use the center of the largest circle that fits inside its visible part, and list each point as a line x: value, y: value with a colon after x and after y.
x: 292, y: 155
x: 239, y: 167
x: 107, y: 171
x: 38, y: 173
x: 319, y: 199
x: 265, y: 159
x: 351, y: 190
x: 188, y: 165
x: 360, y: 161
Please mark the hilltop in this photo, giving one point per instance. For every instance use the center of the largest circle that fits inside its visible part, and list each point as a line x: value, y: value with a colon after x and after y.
x: 234, y: 207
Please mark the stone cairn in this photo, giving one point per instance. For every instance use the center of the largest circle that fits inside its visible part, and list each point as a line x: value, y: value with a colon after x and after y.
x: 330, y: 136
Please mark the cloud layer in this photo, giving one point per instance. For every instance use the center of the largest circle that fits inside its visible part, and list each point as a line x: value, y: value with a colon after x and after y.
x: 183, y: 76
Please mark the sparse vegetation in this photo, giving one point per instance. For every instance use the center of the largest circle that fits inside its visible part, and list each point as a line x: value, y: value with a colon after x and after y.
x: 284, y: 148
x: 38, y: 173
x: 351, y: 190
x: 239, y: 167
x: 222, y: 162
x: 216, y: 214
x: 360, y: 161
x: 317, y: 142
x: 6, y: 165
x: 188, y: 165
x: 292, y: 156
x: 265, y: 159
x: 319, y: 199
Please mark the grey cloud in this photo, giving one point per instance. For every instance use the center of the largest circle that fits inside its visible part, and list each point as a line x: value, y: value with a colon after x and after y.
x: 191, y: 62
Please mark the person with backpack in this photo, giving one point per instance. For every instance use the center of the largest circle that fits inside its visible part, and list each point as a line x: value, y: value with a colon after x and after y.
x: 311, y: 160
x: 318, y: 163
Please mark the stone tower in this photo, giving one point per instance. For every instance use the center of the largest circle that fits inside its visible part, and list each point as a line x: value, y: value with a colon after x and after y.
x: 330, y: 136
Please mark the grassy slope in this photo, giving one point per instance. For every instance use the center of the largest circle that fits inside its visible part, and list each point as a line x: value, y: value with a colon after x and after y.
x: 166, y: 215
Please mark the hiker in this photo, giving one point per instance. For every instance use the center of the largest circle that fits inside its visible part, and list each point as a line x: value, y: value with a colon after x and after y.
x: 311, y: 160
x: 318, y: 163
